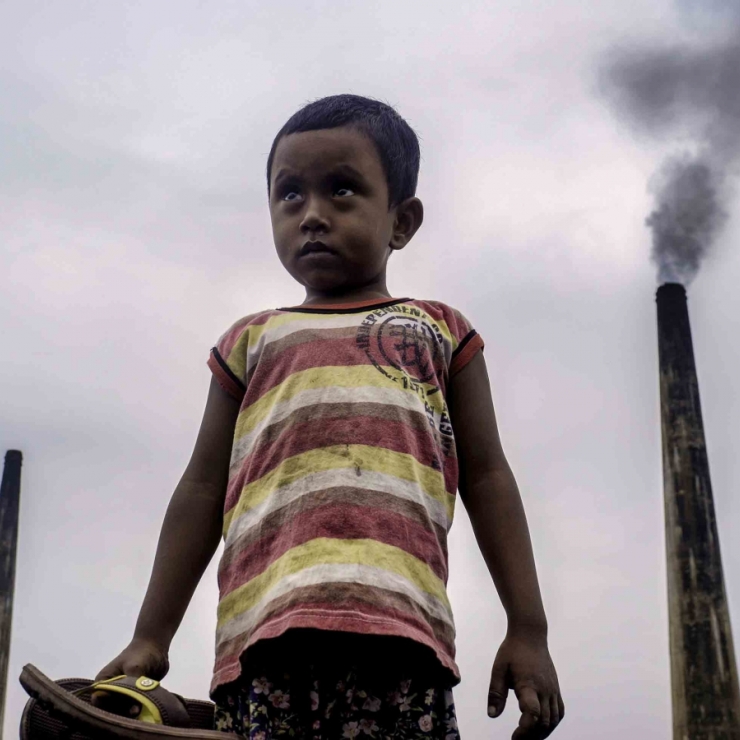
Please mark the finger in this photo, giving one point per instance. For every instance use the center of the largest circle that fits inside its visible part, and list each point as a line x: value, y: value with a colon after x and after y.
x: 554, y: 711
x: 496, y: 703
x: 529, y: 723
x: 498, y: 689
x: 529, y: 729
x: 529, y: 705
x: 545, y: 716
x: 561, y: 707
x: 97, y: 699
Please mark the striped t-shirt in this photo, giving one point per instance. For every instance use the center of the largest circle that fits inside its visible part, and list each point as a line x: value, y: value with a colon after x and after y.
x: 343, y: 473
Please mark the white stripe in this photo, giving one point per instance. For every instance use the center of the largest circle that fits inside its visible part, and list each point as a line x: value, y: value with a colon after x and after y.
x: 329, y: 394
x: 321, y: 481
x: 365, y: 575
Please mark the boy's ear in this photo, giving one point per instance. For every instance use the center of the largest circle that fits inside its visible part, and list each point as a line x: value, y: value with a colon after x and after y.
x: 409, y: 215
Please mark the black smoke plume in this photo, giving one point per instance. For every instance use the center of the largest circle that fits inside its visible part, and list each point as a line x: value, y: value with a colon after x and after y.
x: 689, y: 95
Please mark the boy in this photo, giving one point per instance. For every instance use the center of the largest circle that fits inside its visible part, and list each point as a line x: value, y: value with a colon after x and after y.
x: 329, y: 455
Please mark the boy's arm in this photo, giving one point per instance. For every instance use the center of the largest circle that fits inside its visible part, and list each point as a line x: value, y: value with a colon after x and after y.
x: 491, y: 498
x: 190, y: 535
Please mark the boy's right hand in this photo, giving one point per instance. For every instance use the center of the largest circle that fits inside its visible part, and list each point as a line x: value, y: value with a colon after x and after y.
x: 139, y: 658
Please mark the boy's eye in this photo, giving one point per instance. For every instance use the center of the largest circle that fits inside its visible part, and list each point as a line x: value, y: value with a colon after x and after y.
x: 291, y: 196
x: 344, y: 192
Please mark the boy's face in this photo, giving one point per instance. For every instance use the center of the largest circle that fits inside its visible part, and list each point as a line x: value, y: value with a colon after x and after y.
x: 331, y: 223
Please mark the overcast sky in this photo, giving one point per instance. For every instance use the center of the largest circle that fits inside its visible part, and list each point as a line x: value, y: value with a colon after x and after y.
x: 133, y: 139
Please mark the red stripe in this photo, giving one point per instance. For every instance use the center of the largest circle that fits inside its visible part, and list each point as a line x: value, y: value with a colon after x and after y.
x: 275, y: 365
x: 335, y: 521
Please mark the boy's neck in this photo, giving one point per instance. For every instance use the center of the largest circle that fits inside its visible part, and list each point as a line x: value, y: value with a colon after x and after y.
x: 376, y: 291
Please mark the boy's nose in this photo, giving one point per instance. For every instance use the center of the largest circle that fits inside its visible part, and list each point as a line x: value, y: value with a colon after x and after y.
x: 314, y: 220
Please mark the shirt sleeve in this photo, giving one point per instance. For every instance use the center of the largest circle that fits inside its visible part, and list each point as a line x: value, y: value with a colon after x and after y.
x: 466, y: 341
x: 228, y: 360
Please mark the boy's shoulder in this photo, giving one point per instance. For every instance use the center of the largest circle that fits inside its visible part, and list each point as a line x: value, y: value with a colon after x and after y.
x: 252, y: 319
x: 239, y: 331
x: 436, y: 305
x: 453, y: 317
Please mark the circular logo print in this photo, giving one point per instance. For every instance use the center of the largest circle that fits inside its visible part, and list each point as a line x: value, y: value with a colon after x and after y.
x: 409, y: 345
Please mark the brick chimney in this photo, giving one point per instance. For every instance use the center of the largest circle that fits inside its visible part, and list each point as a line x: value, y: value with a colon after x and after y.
x: 704, y: 682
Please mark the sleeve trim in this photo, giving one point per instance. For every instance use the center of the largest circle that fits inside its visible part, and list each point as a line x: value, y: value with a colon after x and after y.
x: 465, y: 351
x: 225, y: 376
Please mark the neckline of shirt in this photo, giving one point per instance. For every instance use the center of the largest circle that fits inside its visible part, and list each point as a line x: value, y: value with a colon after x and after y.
x: 346, y: 307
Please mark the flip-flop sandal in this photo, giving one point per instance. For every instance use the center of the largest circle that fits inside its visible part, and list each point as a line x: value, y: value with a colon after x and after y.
x: 61, y: 710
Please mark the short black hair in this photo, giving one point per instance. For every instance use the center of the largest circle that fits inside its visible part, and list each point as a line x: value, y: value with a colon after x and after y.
x: 395, y: 140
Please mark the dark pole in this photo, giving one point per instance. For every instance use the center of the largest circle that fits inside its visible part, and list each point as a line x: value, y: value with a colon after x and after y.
x: 704, y: 682
x: 9, y: 501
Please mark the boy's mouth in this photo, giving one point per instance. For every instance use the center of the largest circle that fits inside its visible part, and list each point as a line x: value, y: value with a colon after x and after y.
x: 312, y: 247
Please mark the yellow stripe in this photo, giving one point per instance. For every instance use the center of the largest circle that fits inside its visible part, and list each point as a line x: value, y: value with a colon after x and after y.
x: 237, y: 359
x: 448, y: 335
x: 328, y: 551
x: 365, y: 457
x: 355, y: 376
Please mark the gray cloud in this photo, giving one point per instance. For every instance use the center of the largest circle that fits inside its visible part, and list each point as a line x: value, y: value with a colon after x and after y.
x: 689, y: 94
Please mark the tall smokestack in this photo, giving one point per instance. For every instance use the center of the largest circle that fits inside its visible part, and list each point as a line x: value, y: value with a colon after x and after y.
x: 704, y: 681
x: 10, y: 491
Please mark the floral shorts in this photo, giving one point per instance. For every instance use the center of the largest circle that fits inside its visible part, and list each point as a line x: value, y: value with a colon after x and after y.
x: 343, y: 703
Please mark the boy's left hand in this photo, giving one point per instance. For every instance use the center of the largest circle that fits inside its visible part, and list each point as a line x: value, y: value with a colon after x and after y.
x: 524, y: 664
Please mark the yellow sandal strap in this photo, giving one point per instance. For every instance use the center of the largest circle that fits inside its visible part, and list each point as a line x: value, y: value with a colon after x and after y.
x: 158, y: 706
